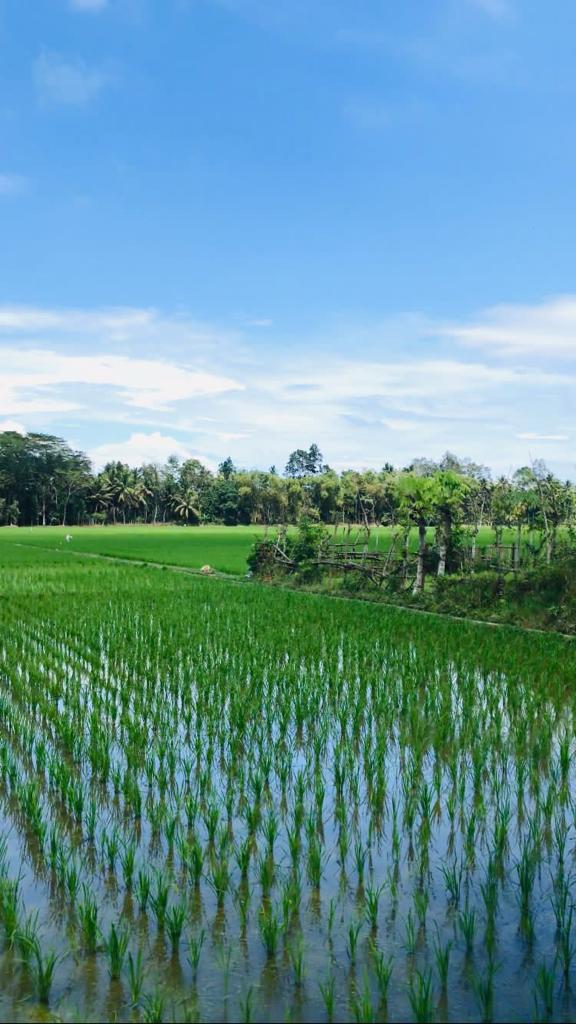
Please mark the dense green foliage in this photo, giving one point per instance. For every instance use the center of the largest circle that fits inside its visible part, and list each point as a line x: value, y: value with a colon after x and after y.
x: 232, y: 802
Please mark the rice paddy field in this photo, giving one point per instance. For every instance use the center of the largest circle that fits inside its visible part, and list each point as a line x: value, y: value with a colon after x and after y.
x: 226, y: 548
x: 227, y: 802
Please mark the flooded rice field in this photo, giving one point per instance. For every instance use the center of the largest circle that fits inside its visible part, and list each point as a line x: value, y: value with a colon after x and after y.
x: 226, y: 802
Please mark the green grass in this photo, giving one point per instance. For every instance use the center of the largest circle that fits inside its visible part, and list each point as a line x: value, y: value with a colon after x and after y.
x: 225, y: 548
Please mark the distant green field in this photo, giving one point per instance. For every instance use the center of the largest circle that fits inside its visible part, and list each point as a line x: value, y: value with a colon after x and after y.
x: 223, y: 547
x: 226, y: 548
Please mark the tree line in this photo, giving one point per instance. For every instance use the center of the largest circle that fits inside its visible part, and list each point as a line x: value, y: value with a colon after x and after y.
x: 43, y: 481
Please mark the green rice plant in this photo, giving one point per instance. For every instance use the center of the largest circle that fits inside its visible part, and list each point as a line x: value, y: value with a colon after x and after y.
x: 328, y: 993
x: 315, y: 862
x: 410, y: 935
x: 127, y: 859
x: 294, y: 844
x: 195, y: 861
x: 242, y: 901
x: 383, y: 972
x: 331, y: 915
x: 159, y: 898
x: 270, y: 830
x: 3, y: 856
x: 267, y: 873
x: 442, y: 960
x: 26, y: 937
x: 545, y: 983
x: 343, y: 844
x: 143, y: 886
x: 361, y: 1003
x: 170, y: 829
x: 90, y: 820
x: 453, y: 883
x: 243, y: 853
x: 566, y: 947
x: 526, y: 870
x: 296, y: 954
x: 359, y: 860
x: 484, y: 992
x: 247, y: 1006
x: 175, y: 918
x: 195, y: 945
x: 116, y: 944
x: 421, y: 998
x: 219, y: 878
x: 501, y: 826
x: 421, y: 899
x: 153, y: 1006
x: 191, y: 809
x: 44, y: 965
x: 253, y: 816
x: 211, y: 818
x: 88, y: 917
x: 354, y: 929
x: 467, y: 928
x: 73, y: 874
x: 111, y: 844
x: 269, y: 925
x: 371, y: 904
x: 135, y: 978
x: 10, y: 907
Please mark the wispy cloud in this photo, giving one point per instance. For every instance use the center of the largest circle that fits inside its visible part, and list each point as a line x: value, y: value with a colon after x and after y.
x: 61, y: 81
x: 477, y: 386
x: 542, y: 437
x: 13, y: 184
x: 138, y: 383
x: 542, y: 330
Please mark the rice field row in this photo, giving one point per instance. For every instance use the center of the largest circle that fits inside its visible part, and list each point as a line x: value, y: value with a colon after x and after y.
x: 237, y: 803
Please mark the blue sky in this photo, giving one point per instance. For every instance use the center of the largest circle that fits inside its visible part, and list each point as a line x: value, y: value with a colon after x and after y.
x: 240, y: 226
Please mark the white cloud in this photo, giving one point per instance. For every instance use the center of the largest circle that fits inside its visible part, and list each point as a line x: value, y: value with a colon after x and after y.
x: 11, y: 425
x: 546, y: 329
x: 543, y: 437
x: 346, y: 389
x: 142, y: 383
x: 13, y: 184
x: 143, y: 448
x: 88, y: 5
x: 139, y: 327
x: 61, y: 81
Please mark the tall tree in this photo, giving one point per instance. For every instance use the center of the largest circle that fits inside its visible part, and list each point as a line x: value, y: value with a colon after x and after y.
x: 416, y: 503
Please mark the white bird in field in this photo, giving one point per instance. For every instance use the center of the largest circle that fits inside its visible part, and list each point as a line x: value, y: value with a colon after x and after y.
x: 68, y: 538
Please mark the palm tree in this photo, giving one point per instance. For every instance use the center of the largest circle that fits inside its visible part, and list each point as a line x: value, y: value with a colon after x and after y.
x: 185, y: 505
x: 415, y: 496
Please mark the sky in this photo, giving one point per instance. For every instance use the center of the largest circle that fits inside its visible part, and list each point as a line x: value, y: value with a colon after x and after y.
x: 237, y: 227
